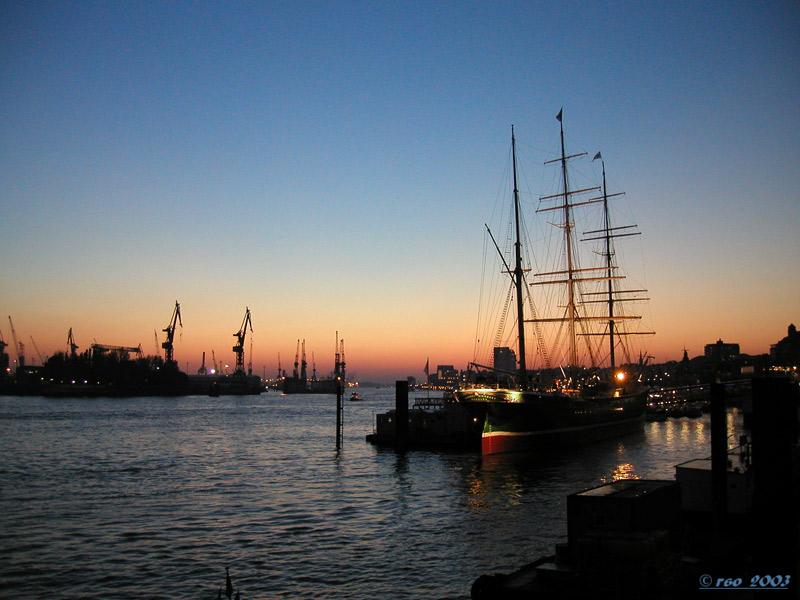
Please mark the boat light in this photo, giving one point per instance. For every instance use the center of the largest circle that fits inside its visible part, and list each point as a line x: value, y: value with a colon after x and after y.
x: 620, y: 376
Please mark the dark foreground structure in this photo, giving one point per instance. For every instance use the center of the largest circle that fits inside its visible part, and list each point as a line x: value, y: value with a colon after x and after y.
x: 431, y: 423
x: 727, y: 523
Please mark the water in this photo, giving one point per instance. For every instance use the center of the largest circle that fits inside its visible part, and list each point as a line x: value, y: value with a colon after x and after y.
x: 154, y: 497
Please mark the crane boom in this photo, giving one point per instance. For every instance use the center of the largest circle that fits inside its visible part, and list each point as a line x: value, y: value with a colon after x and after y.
x: 71, y: 343
x: 339, y: 364
x: 170, y: 331
x: 240, y: 335
x: 39, y: 352
x: 304, y: 364
x: 19, y: 347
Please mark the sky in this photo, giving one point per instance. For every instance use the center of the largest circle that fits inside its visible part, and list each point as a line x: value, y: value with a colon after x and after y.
x: 331, y: 165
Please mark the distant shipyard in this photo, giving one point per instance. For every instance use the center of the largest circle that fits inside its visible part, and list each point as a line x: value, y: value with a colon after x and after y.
x: 106, y: 370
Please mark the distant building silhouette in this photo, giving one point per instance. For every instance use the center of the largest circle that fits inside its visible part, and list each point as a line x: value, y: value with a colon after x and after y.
x: 685, y: 360
x: 446, y: 377
x: 787, y: 351
x: 721, y: 352
x: 4, y: 360
x: 505, y: 359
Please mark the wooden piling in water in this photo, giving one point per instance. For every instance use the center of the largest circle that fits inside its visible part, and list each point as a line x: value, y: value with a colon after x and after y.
x: 401, y: 414
x: 719, y: 457
x: 339, y: 414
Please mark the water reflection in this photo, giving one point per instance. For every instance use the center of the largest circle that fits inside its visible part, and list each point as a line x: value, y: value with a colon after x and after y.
x: 622, y: 471
x: 516, y: 479
x: 211, y: 482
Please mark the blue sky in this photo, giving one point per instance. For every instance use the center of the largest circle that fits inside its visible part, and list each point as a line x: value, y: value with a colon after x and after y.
x: 331, y: 165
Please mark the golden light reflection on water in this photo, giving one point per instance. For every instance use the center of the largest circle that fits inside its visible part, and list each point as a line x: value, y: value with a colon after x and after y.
x: 477, y: 490
x: 501, y: 481
x: 486, y: 485
x: 669, y: 429
x: 624, y: 470
x: 683, y: 431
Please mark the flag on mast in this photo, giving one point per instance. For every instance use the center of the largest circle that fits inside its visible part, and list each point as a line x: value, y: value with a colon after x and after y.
x: 427, y: 366
x: 558, y: 116
x: 596, y: 156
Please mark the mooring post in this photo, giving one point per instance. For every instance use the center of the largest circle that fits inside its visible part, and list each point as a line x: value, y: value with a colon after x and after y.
x: 339, y: 413
x: 401, y: 414
x: 774, y: 430
x: 719, y: 457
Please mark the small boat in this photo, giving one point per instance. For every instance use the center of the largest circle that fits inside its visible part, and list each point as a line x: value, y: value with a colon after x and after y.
x: 355, y: 397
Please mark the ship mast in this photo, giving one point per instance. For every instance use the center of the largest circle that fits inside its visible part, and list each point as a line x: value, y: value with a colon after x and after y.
x: 609, y: 266
x: 573, y: 275
x: 523, y: 374
x: 613, y: 296
x: 570, y: 279
x: 573, y: 349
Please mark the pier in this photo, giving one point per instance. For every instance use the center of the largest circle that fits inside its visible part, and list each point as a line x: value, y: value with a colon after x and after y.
x: 728, y: 521
x: 429, y: 423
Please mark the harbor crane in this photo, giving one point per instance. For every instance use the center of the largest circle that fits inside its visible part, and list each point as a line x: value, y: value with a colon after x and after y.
x: 238, y: 349
x: 19, y: 347
x: 304, y: 365
x: 122, y: 351
x: 170, y: 331
x: 339, y: 365
x: 71, y: 343
x: 202, y: 370
x: 4, y: 370
x: 3, y: 345
x: 41, y: 357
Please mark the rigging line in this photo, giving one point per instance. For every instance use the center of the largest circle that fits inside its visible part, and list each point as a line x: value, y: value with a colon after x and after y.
x: 583, y: 324
x: 504, y: 316
x: 476, y: 343
x: 541, y: 348
x: 537, y: 329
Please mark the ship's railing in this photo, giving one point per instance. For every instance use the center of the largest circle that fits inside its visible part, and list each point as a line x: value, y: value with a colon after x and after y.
x: 430, y: 403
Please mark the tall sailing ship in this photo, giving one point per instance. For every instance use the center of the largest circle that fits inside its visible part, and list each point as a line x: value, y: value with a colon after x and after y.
x: 587, y: 396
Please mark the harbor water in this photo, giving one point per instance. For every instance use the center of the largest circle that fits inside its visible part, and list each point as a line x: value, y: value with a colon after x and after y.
x: 154, y: 497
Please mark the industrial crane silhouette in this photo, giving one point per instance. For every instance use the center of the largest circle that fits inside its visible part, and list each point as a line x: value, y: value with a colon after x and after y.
x: 71, y: 343
x: 170, y: 331
x: 19, y: 347
x: 38, y: 352
x: 4, y: 356
x: 238, y: 349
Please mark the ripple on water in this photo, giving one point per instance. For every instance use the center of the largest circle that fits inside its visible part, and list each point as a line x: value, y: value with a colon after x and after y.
x: 154, y: 497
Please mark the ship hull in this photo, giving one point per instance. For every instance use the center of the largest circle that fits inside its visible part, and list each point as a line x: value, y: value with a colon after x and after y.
x: 292, y: 385
x: 515, y: 421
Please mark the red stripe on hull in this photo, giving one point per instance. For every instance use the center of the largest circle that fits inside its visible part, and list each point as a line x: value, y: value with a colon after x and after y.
x: 498, y: 442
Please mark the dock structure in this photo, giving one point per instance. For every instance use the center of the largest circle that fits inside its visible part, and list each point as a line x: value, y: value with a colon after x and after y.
x: 429, y: 423
x: 728, y: 518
